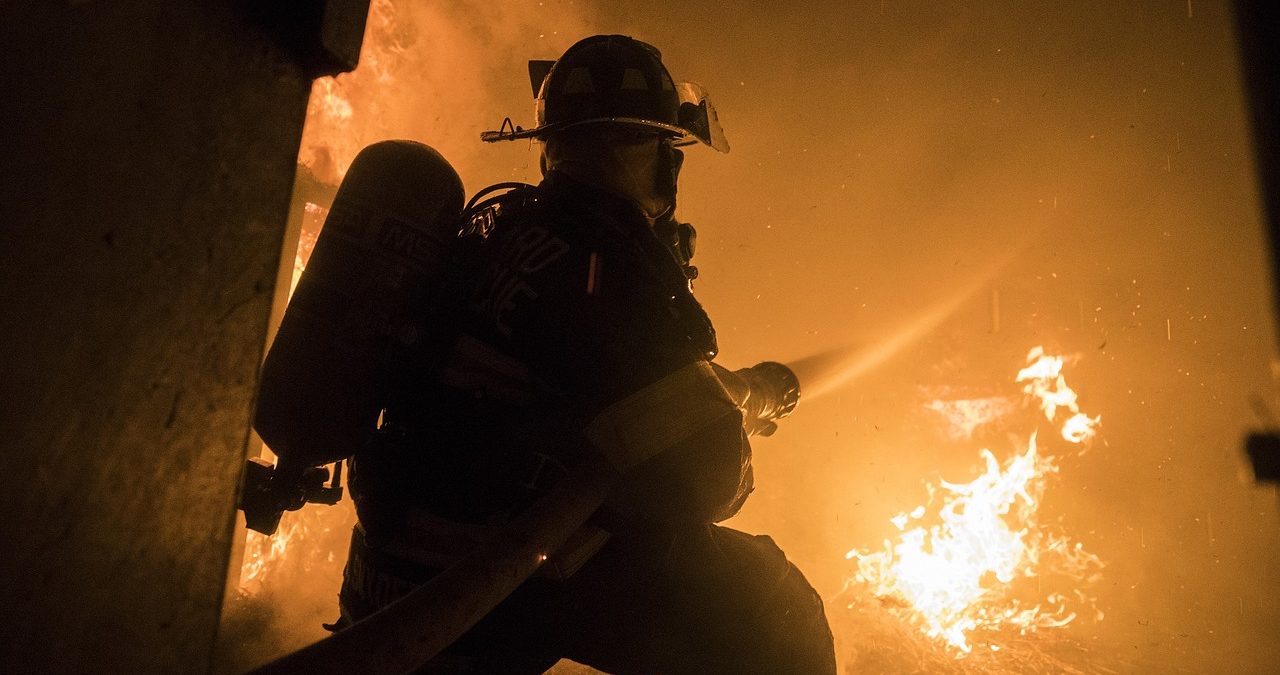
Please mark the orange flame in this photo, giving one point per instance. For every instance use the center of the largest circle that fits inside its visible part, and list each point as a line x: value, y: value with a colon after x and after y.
x: 1045, y: 381
x: 957, y: 575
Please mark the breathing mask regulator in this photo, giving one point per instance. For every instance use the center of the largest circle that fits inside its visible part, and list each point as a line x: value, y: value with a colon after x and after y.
x: 680, y: 237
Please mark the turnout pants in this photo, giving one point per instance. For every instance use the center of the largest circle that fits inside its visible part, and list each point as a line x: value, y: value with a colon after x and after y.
x: 698, y: 599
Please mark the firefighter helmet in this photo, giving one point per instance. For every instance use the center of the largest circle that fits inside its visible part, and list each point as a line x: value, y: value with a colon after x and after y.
x: 615, y: 79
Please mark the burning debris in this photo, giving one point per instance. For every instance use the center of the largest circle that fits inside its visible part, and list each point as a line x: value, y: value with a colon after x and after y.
x: 976, y: 556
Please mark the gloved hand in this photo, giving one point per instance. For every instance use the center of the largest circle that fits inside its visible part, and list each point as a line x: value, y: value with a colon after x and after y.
x: 765, y: 392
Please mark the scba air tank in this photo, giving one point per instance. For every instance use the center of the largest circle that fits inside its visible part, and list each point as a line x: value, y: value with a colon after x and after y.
x: 370, y: 294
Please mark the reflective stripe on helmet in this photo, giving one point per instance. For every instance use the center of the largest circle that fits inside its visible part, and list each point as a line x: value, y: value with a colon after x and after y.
x: 661, y: 415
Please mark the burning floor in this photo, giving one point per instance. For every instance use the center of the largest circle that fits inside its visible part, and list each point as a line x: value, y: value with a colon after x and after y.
x: 873, y: 639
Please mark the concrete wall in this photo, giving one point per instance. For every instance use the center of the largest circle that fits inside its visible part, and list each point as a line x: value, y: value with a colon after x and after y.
x: 146, y: 155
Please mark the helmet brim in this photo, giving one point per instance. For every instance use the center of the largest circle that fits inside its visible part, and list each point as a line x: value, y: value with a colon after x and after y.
x: 540, y: 132
x: 699, y: 123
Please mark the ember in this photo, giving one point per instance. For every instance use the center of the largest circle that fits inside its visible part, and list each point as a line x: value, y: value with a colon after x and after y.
x: 962, y: 559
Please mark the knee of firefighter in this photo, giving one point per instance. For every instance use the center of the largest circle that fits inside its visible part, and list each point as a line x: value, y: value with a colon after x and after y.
x: 755, y: 569
x: 759, y: 604
x: 788, y: 630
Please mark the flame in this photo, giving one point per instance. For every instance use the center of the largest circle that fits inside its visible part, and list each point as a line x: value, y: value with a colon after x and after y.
x: 303, y: 546
x: 313, y: 220
x: 328, y: 101
x: 958, y: 561
x: 1045, y: 382
x: 260, y: 551
x: 334, y: 132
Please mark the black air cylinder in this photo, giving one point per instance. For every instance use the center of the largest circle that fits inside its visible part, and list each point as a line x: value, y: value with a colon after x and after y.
x: 367, y: 295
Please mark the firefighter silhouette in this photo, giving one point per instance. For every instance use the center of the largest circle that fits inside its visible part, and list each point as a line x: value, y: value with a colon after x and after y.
x: 545, y: 324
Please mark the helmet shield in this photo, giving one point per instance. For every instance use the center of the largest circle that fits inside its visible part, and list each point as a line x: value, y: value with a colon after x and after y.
x: 614, y: 79
x: 698, y: 117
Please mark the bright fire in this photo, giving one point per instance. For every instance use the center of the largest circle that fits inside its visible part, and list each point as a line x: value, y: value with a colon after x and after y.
x: 958, y: 561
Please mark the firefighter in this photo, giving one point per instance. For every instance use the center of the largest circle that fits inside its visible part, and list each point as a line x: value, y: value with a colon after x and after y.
x: 576, y: 333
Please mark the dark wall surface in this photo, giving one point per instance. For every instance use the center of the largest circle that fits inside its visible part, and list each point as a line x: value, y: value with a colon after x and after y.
x: 148, y: 151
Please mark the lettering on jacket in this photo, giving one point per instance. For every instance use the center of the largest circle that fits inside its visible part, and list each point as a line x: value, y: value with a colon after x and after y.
x: 507, y: 282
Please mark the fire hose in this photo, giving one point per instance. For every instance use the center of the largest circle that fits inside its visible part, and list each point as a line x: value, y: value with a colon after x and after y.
x: 411, y: 631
